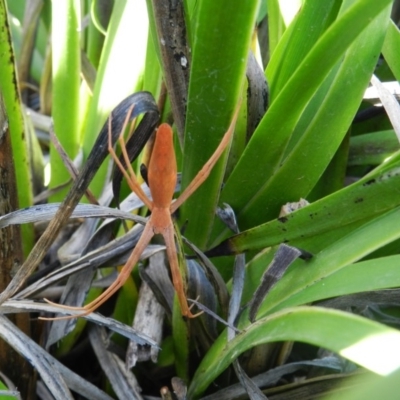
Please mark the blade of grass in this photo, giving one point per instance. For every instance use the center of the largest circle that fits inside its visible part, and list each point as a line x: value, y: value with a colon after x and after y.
x: 12, y: 102
x: 217, y: 76
x: 315, y: 18
x: 66, y: 67
x: 363, y: 276
x: 327, y: 121
x: 119, y: 71
x: 372, y: 148
x: 101, y: 11
x: 367, y: 387
x: 348, y: 249
x: 391, y: 48
x: 276, y: 25
x: 372, y: 195
x: 370, y: 344
x: 263, y: 155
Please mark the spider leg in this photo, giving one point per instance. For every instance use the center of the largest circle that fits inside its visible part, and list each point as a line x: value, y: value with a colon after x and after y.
x: 129, y: 174
x: 65, y: 307
x: 124, y: 274
x: 203, y: 174
x: 168, y: 235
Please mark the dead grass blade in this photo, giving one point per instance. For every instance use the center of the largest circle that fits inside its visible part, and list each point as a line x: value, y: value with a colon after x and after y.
x: 45, y: 212
x: 121, y: 379
x: 20, y: 306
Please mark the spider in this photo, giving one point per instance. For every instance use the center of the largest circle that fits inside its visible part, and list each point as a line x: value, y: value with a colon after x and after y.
x: 162, y: 177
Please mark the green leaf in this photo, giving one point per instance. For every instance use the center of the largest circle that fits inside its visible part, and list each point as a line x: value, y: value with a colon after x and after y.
x: 372, y: 148
x: 313, y: 17
x: 376, y: 274
x: 295, y: 287
x: 220, y: 49
x: 364, y: 342
x: 276, y: 25
x: 66, y: 69
x: 372, y: 195
x: 95, y: 38
x: 10, y: 93
x: 119, y: 71
x: 263, y: 179
x: 391, y: 49
x: 367, y: 387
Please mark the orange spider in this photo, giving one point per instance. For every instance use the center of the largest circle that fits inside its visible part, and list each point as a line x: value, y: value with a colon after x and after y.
x: 162, y: 176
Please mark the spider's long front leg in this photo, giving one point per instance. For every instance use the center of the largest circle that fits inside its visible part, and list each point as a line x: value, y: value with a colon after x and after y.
x: 124, y: 274
x: 129, y: 174
x: 203, y: 174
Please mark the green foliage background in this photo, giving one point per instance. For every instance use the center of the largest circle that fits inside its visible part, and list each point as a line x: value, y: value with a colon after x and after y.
x: 318, y: 67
